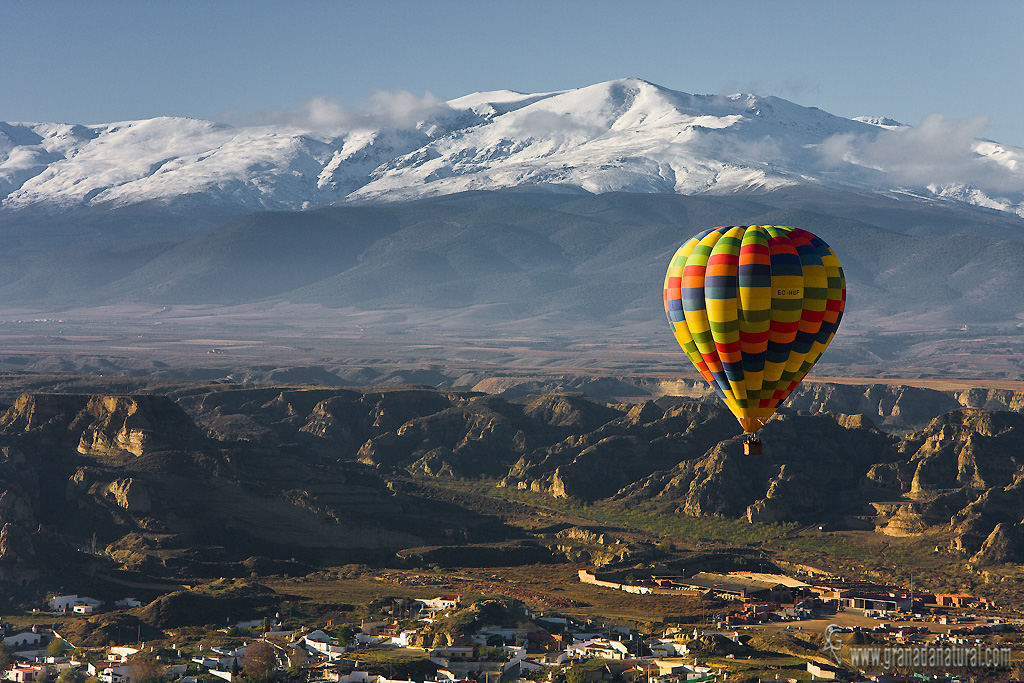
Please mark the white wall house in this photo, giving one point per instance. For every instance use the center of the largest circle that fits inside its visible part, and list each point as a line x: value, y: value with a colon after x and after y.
x: 441, y: 603
x: 215, y: 663
x: 357, y: 677
x: 663, y: 648
x: 20, y: 641
x: 116, y: 674
x: 403, y: 639
x: 67, y: 603
x: 120, y: 653
x: 328, y: 650
x: 62, y: 603
x: 598, y: 647
x: 26, y: 673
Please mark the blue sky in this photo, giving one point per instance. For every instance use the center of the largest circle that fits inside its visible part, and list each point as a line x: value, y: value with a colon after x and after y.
x: 101, y: 61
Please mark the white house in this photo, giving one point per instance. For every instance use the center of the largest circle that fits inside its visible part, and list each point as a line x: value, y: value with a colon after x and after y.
x: 524, y: 664
x: 441, y: 603
x: 662, y: 648
x: 357, y: 677
x: 62, y: 603
x: 238, y: 652
x: 404, y: 638
x: 60, y: 663
x: 120, y: 653
x: 598, y: 647
x: 25, y: 639
x: 26, y: 673
x: 215, y: 663
x: 67, y: 603
x: 116, y: 674
x: 328, y: 650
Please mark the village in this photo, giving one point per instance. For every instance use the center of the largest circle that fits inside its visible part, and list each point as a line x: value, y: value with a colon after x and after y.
x: 450, y: 639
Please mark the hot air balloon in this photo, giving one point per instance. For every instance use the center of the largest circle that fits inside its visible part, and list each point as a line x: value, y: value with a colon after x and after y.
x: 754, y: 307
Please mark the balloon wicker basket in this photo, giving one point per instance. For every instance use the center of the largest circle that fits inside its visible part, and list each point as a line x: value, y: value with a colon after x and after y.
x: 752, y: 446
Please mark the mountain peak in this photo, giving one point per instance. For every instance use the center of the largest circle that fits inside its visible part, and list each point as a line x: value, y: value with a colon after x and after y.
x: 627, y: 134
x: 880, y: 121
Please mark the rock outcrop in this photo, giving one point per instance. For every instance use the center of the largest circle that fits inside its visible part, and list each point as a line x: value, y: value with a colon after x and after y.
x: 649, y: 438
x: 281, y: 474
x: 1005, y: 545
x: 812, y: 469
x: 898, y: 406
x: 114, y: 425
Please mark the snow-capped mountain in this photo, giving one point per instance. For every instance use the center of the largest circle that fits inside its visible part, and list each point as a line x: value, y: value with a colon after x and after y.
x: 626, y: 135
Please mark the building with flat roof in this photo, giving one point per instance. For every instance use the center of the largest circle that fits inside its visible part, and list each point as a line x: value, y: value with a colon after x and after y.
x: 738, y: 587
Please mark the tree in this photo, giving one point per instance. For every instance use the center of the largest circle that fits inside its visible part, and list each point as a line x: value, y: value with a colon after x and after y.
x: 260, y: 662
x: 56, y: 648
x: 145, y: 669
x: 70, y: 675
x: 575, y: 673
x: 344, y: 634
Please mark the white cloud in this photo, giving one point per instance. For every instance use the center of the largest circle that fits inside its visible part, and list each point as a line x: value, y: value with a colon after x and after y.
x: 403, y: 109
x: 937, y: 152
x: 398, y: 109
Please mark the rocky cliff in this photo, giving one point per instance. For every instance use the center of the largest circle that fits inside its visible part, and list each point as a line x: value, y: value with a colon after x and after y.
x: 813, y: 469
x: 217, y: 480
x: 137, y: 480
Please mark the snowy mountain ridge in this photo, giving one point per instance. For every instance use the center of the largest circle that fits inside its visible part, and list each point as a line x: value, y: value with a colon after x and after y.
x: 623, y: 135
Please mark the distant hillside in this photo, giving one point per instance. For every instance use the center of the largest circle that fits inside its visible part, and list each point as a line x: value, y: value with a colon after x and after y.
x: 556, y: 264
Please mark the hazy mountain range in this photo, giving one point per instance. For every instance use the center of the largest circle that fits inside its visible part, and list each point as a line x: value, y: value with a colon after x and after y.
x: 553, y: 210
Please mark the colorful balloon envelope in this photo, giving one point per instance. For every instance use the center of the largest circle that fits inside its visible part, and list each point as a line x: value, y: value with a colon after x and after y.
x: 754, y: 307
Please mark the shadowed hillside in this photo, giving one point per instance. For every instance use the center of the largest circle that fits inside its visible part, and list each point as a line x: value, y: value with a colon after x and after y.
x: 212, y: 481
